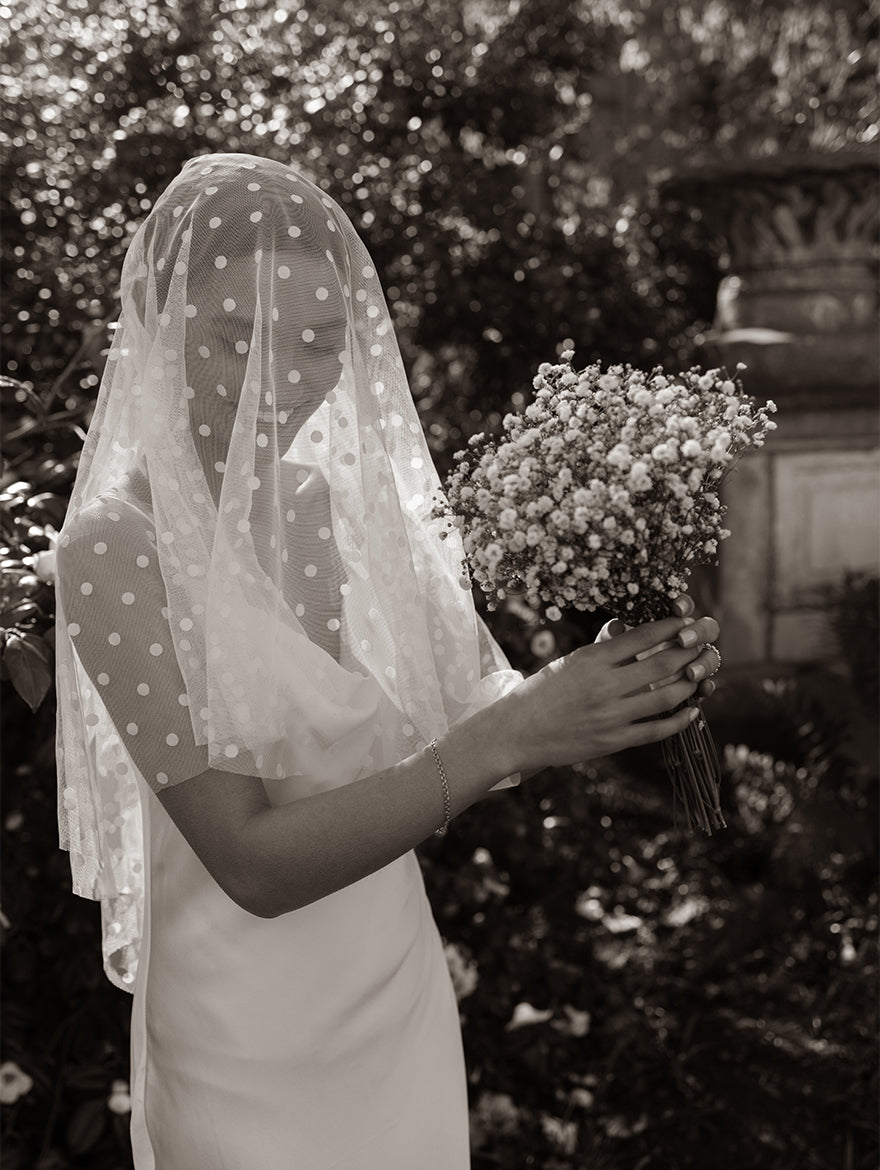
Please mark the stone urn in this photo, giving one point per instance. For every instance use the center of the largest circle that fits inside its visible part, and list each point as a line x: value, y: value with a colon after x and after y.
x: 798, y: 304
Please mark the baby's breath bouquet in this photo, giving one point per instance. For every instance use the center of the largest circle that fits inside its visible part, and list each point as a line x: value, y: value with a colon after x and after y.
x: 603, y: 494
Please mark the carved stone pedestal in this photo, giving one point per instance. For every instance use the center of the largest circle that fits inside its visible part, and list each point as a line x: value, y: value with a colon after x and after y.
x: 799, y: 305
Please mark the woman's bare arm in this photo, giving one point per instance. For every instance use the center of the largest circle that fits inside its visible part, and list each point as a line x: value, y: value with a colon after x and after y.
x: 595, y: 701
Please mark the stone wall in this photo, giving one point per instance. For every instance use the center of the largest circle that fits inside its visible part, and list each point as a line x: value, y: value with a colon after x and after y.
x: 799, y: 305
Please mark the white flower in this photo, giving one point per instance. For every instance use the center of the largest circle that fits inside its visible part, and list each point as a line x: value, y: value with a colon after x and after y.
x: 508, y: 518
x: 609, y: 382
x: 543, y: 644
x: 13, y: 1083
x: 119, y: 1100
x: 462, y: 969
x: 691, y: 448
x: 554, y: 614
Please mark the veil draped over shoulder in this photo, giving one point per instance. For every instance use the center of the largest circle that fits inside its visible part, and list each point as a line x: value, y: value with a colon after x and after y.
x: 249, y: 576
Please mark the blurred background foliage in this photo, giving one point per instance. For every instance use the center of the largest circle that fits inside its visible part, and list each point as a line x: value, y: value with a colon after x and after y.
x: 630, y: 998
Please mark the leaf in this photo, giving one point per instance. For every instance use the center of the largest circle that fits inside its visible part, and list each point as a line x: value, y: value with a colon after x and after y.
x: 86, y: 1125
x: 29, y: 662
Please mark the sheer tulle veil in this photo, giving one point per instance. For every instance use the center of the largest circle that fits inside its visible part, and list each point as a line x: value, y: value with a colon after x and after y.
x: 255, y: 414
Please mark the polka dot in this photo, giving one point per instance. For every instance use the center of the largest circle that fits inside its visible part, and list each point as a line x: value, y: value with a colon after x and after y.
x: 204, y: 430
x: 190, y: 311
x: 375, y: 350
x: 262, y: 441
x: 316, y: 437
x: 256, y: 216
x: 407, y: 729
x: 333, y: 624
x: 143, y: 689
x: 114, y: 639
x: 345, y: 589
x: 185, y: 623
x: 361, y: 294
x: 229, y: 304
x: 220, y: 262
x: 296, y: 198
x: 162, y: 777
x: 183, y: 700
x: 283, y: 272
x: 308, y: 336
x: 231, y: 751
x: 310, y: 570
x: 294, y: 376
x: 220, y: 466
x: 86, y: 588
x: 221, y: 390
x: 73, y: 629
x: 180, y: 268
x: 100, y: 548
x: 164, y: 319
x: 291, y: 515
x: 300, y: 610
x: 294, y: 232
x: 176, y: 212
x: 142, y: 562
x: 321, y: 293
x: 156, y: 649
x: 373, y: 311
x: 172, y: 740
x: 368, y: 271
x: 131, y: 728
x: 103, y: 679
x: 253, y: 186
x: 348, y: 459
x: 243, y: 526
x: 214, y: 221
x: 127, y: 599
x: 241, y: 347
x: 204, y: 351
x: 323, y: 533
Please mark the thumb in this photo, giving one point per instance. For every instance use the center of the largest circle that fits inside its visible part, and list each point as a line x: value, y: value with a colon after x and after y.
x: 611, y: 630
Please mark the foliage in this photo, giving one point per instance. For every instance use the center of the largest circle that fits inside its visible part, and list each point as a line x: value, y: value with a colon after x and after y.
x: 478, y: 146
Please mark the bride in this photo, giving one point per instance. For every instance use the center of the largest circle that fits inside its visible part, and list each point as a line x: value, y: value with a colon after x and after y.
x: 273, y: 685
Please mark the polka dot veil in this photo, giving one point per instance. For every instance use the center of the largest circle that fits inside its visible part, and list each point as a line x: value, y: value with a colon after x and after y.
x: 249, y: 577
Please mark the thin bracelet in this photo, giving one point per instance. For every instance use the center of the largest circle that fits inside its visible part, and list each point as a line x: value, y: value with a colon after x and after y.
x: 447, y: 801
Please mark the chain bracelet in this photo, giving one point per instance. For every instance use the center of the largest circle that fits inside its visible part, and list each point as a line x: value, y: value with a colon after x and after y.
x: 447, y: 800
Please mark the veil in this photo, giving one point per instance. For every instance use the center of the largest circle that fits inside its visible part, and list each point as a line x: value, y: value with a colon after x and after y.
x: 249, y: 575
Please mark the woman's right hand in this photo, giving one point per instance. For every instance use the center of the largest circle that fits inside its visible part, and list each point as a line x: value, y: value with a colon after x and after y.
x: 602, y: 698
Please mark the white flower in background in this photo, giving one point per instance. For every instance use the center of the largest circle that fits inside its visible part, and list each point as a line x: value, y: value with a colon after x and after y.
x: 13, y: 1083
x: 462, y: 969
x: 119, y: 1100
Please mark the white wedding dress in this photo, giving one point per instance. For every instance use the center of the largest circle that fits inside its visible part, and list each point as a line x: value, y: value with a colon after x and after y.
x: 325, y: 1039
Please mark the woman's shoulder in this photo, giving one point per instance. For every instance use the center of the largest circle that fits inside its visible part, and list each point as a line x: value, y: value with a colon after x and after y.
x: 107, y: 531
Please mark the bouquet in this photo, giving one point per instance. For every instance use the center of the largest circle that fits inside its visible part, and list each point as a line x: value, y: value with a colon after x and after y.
x: 604, y: 494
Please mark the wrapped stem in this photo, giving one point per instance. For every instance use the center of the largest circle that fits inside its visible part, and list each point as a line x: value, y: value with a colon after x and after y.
x: 693, y: 768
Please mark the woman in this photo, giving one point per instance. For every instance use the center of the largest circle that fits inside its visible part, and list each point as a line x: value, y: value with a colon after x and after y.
x: 273, y: 685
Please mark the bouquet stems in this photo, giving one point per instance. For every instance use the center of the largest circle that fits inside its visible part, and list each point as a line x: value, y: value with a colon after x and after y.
x: 693, y: 768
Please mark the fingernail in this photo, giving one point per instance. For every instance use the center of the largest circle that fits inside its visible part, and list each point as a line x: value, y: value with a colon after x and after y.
x: 696, y: 672
x: 687, y: 637
x: 695, y: 714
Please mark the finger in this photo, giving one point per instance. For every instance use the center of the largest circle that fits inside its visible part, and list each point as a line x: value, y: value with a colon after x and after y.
x: 649, y: 704
x: 645, y: 637
x: 683, y: 605
x: 706, y: 663
x: 655, y: 730
x: 706, y: 689
x: 704, y: 630
x: 657, y: 670
x: 611, y: 630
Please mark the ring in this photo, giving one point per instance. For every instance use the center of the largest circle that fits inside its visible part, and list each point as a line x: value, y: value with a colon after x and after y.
x: 712, y: 646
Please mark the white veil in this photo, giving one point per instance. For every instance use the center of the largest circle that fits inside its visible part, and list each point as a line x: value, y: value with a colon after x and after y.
x: 249, y: 577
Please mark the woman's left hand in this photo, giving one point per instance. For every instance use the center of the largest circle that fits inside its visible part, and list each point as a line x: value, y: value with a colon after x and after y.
x: 707, y: 630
